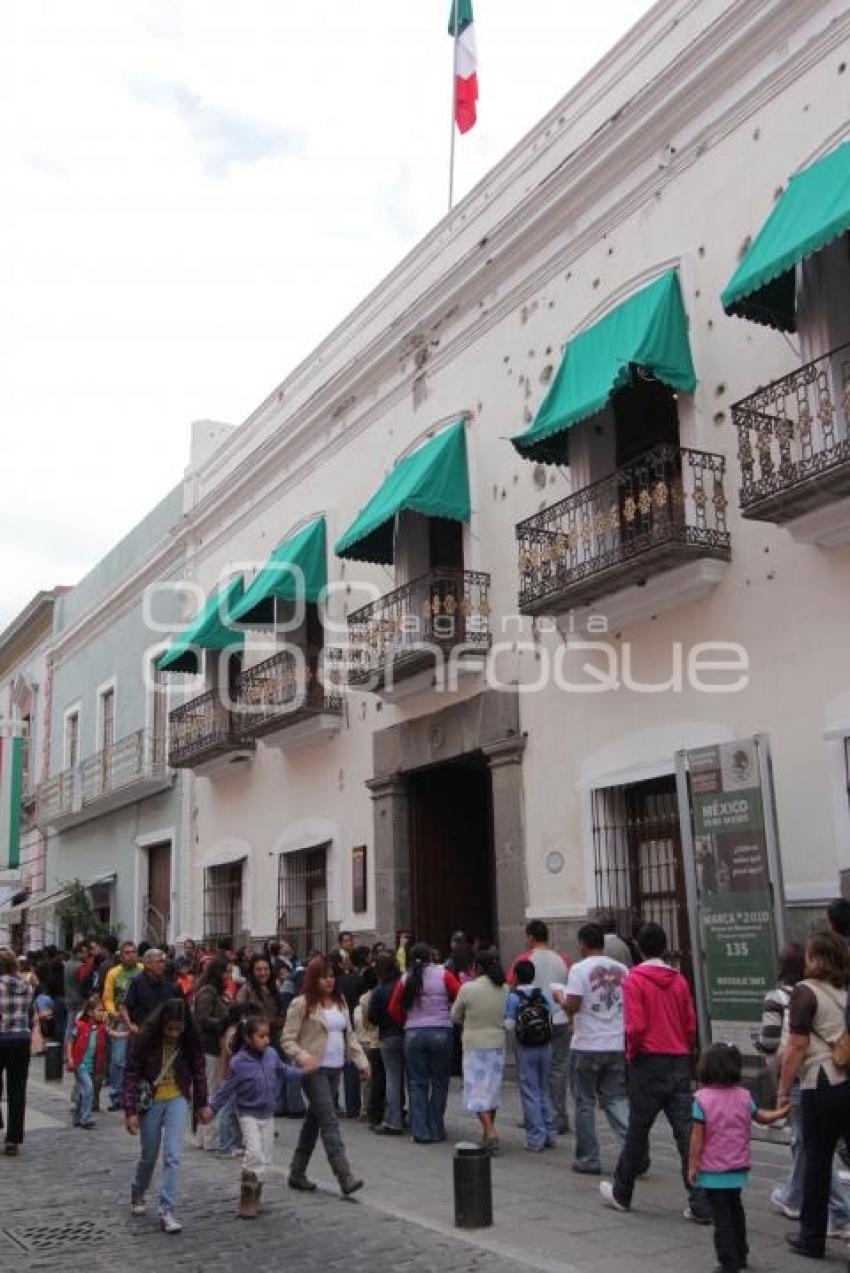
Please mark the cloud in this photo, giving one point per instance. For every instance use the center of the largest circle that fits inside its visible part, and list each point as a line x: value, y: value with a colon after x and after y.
x: 223, y: 137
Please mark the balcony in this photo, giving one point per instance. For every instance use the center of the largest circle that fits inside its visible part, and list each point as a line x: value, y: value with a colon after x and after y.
x: 206, y: 736
x: 443, y: 616
x: 129, y: 770
x: 659, y: 516
x: 794, y: 450
x: 293, y: 699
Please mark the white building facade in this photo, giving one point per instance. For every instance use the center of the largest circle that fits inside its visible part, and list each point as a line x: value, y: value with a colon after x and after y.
x: 518, y: 792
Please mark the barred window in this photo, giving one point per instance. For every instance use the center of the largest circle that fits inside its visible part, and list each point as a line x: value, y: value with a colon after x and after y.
x: 302, y: 912
x: 223, y: 901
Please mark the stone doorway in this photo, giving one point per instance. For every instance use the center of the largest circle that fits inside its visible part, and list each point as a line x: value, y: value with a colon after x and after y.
x: 483, y: 731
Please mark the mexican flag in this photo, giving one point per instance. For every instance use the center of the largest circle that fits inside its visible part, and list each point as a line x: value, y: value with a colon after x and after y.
x: 11, y: 776
x: 466, y: 64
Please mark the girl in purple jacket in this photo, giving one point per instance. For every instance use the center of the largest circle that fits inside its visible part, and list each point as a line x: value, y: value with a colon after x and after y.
x: 254, y: 1080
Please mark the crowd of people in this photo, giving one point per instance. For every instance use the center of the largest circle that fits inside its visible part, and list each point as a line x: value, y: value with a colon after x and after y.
x: 238, y: 1037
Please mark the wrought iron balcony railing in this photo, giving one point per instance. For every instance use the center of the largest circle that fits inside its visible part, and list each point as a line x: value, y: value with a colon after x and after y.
x: 203, y: 728
x: 652, y: 514
x: 794, y: 440
x: 124, y: 768
x: 288, y: 687
x: 439, y: 613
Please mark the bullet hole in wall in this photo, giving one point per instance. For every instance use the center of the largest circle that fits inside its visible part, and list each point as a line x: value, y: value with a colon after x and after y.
x: 710, y: 324
x: 700, y: 250
x: 546, y: 373
x: 756, y: 134
x: 842, y: 67
x: 547, y: 351
x: 720, y: 389
x: 538, y: 475
x: 745, y: 247
x: 482, y: 243
x: 719, y: 417
x: 596, y: 282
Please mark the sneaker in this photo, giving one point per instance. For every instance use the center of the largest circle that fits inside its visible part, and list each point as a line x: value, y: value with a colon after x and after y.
x: 696, y: 1216
x: 138, y: 1207
x: 606, y: 1189
x: 383, y: 1130
x: 169, y: 1223
x: 841, y: 1231
x: 776, y: 1200
x: 581, y: 1170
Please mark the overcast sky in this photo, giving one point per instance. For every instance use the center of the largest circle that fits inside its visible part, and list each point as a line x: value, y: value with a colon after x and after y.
x: 194, y: 193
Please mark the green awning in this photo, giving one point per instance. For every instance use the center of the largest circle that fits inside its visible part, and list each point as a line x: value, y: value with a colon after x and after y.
x: 814, y: 210
x: 209, y: 630
x: 433, y: 480
x: 296, y: 571
x: 649, y: 330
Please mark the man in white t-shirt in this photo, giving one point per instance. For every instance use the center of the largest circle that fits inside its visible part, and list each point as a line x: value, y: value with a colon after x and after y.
x: 594, y: 999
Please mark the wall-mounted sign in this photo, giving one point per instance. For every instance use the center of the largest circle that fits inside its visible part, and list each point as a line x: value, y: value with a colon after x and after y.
x: 358, y: 879
x: 736, y: 873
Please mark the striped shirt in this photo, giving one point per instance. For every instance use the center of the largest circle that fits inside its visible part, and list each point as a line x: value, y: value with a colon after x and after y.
x: 773, y: 1013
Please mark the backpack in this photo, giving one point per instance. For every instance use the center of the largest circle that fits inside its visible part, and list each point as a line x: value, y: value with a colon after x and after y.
x: 533, y: 1020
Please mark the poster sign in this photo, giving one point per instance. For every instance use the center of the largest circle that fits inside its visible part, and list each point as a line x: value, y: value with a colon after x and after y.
x: 358, y: 881
x: 737, y: 922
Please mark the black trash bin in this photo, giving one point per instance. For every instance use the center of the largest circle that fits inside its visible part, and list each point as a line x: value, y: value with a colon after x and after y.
x: 473, y: 1187
x: 53, y: 1062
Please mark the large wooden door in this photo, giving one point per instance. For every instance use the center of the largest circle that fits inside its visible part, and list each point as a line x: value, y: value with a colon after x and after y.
x: 158, y: 906
x: 452, y: 872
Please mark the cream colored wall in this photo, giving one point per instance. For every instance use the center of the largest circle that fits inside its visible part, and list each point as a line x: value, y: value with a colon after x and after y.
x: 787, y: 604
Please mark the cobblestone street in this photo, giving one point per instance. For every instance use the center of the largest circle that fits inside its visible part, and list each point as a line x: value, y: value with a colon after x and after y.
x: 64, y: 1207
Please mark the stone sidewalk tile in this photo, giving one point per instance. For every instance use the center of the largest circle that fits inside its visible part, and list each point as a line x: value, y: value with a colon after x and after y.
x: 545, y: 1216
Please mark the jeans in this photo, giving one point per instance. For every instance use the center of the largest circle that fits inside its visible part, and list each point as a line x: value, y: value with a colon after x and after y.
x: 791, y: 1193
x: 560, y: 1072
x: 377, y: 1087
x: 392, y: 1051
x: 533, y: 1067
x: 730, y: 1228
x: 84, y: 1098
x: 826, y: 1116
x: 321, y: 1089
x: 206, y: 1133
x: 259, y: 1143
x: 15, y: 1064
x: 229, y: 1132
x: 351, y: 1089
x: 117, y: 1061
x: 163, y: 1124
x: 428, y: 1060
x: 657, y: 1083
x: 598, y: 1076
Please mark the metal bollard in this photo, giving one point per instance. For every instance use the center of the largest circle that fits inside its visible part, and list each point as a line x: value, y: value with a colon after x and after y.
x: 473, y: 1187
x: 53, y: 1062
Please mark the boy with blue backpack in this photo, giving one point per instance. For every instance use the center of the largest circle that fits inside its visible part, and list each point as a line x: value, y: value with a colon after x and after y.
x: 529, y: 1010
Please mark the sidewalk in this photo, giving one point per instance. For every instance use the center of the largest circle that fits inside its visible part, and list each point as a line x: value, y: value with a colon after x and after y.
x: 545, y: 1216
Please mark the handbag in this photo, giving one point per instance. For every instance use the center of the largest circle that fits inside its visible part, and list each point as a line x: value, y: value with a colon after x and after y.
x: 147, y: 1089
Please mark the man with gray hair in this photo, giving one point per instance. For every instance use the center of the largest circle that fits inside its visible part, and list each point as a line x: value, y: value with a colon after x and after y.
x: 148, y: 990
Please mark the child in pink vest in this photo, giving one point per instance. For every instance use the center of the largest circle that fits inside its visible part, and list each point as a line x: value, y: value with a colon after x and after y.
x: 720, y: 1148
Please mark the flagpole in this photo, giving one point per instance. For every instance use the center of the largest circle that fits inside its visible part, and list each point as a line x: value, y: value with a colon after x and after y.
x: 455, y: 19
